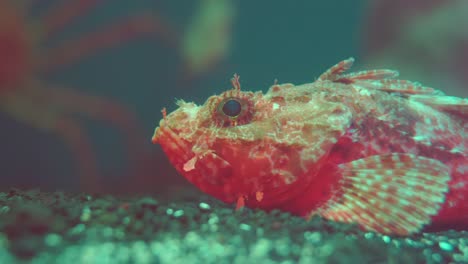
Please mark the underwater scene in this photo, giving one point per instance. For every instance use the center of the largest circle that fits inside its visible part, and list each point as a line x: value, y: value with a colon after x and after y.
x: 223, y: 131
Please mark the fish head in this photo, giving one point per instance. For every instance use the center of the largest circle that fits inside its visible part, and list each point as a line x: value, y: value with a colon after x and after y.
x: 242, y: 144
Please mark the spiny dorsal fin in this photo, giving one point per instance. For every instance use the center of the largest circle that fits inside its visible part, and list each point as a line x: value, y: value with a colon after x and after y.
x: 379, y: 74
x: 336, y: 70
x: 391, y: 194
x: 380, y: 79
x: 451, y: 104
x: 398, y: 86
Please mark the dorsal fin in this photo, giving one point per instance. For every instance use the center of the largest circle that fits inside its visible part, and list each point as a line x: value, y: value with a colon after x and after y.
x: 380, y: 79
x: 398, y: 86
x: 379, y: 74
x: 336, y: 70
x: 449, y: 104
x: 384, y: 80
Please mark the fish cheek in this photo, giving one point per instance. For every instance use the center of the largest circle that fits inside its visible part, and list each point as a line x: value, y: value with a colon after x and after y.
x: 212, y: 174
x: 214, y: 169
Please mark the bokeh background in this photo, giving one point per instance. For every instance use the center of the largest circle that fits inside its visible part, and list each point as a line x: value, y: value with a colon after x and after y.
x: 195, y: 48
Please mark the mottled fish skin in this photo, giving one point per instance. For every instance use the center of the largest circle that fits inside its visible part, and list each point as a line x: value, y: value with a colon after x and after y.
x: 361, y: 147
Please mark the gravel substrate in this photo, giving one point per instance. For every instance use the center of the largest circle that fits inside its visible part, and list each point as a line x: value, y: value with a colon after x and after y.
x: 40, y: 227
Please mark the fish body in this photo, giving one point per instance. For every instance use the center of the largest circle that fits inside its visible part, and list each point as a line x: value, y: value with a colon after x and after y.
x: 364, y: 147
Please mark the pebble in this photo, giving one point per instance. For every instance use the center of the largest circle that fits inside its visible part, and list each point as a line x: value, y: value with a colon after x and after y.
x: 445, y: 246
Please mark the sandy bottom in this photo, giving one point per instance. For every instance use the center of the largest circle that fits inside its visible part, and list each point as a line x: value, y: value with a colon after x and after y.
x: 40, y: 227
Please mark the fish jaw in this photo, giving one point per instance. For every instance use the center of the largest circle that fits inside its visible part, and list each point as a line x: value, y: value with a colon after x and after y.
x: 188, y: 150
x: 178, y: 150
x: 204, y: 168
x: 173, y: 134
x: 182, y: 121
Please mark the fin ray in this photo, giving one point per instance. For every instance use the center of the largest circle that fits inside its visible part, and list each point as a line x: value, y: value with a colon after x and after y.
x: 368, y: 75
x: 392, y: 193
x: 336, y: 70
x: 450, y: 104
x: 398, y: 86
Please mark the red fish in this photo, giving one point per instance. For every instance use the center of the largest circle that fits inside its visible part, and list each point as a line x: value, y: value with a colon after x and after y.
x: 364, y: 147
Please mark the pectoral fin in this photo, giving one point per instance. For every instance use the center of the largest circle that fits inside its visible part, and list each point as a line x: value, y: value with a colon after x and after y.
x: 391, y: 194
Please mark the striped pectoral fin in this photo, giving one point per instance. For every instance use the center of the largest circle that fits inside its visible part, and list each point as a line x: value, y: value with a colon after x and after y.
x: 392, y: 194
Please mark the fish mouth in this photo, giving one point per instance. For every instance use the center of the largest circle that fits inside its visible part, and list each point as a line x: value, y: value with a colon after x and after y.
x: 155, y: 137
x: 165, y: 132
x: 175, y: 122
x: 177, y: 149
x: 157, y: 133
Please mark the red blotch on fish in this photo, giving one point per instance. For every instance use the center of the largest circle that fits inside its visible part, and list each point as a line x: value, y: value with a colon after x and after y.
x: 364, y: 147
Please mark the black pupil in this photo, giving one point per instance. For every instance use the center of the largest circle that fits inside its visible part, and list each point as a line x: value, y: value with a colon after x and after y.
x: 232, y: 108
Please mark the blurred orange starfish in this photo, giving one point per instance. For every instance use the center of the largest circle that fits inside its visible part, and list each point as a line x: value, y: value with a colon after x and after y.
x: 26, y: 96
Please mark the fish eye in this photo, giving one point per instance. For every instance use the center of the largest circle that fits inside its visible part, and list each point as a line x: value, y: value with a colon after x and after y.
x: 232, y: 107
x: 232, y: 110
